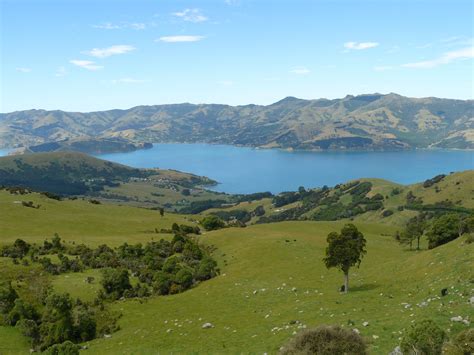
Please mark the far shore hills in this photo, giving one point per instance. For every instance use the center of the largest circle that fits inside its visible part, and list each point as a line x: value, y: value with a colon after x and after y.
x: 372, y: 122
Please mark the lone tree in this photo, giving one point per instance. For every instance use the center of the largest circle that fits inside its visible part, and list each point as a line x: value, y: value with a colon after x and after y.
x: 345, y: 250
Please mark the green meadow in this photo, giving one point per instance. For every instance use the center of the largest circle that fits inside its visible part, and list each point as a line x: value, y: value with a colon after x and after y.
x: 272, y: 283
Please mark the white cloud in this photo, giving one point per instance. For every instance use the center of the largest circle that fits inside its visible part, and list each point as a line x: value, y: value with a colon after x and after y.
x: 128, y: 81
x: 446, y: 58
x: 300, y: 71
x: 23, y: 70
x: 191, y: 15
x: 383, y: 68
x: 137, y: 26
x: 61, y: 71
x: 114, y: 26
x: 175, y: 39
x: 107, y: 26
x: 86, y: 64
x: 360, y: 45
x: 109, y: 51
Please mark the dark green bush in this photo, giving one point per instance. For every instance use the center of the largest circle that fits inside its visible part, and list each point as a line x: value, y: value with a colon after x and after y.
x: 423, y: 338
x: 326, y: 340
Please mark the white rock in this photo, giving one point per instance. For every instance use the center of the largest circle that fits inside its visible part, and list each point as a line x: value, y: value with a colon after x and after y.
x: 355, y: 330
x: 375, y: 336
x: 107, y: 336
x: 365, y: 324
x: 456, y: 319
x: 207, y: 326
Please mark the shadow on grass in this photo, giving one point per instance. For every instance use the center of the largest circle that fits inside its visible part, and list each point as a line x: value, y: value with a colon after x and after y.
x: 363, y: 287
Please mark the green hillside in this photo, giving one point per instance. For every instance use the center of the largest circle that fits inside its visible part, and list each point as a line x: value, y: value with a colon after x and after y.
x: 272, y: 282
x: 363, y: 122
x: 77, y: 174
x: 364, y: 200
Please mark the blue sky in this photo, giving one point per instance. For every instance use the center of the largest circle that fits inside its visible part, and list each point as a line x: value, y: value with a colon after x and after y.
x: 95, y: 55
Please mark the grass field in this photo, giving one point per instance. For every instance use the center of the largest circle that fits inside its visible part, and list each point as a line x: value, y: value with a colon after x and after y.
x: 271, y: 276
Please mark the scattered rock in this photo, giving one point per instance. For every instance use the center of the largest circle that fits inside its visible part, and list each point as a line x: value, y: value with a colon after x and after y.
x: 207, y: 326
x: 365, y: 324
x: 355, y: 330
x: 107, y: 336
x: 456, y: 319
x: 396, y: 351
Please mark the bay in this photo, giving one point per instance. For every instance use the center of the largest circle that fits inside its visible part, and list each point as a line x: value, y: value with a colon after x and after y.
x: 248, y: 170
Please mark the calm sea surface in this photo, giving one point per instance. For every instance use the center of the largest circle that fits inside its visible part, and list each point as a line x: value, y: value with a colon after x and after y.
x: 247, y: 170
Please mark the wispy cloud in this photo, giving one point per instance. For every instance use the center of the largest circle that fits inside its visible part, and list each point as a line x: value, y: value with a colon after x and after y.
x: 129, y: 81
x: 191, y: 15
x: 115, y: 26
x: 300, y: 71
x: 23, y: 70
x: 446, y: 58
x: 176, y: 39
x: 86, y: 64
x: 360, y: 45
x: 109, y: 51
x: 60, y: 72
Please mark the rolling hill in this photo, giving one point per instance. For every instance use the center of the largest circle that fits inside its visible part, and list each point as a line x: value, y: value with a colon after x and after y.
x: 273, y: 282
x: 75, y: 174
x: 365, y: 122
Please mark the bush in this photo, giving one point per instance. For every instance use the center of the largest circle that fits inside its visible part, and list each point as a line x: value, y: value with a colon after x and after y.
x: 326, y: 340
x: 462, y: 344
x: 443, y: 230
x: 423, y: 338
x: 162, y: 283
x: 184, y: 278
x: 115, y: 282
x: 212, y: 223
x: 28, y: 328
x: 7, y: 300
x: 66, y: 348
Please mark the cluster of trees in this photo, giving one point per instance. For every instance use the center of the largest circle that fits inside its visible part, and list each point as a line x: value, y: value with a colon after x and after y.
x: 438, y: 229
x: 55, y: 319
x: 240, y: 216
x: 161, y: 267
x: 328, y: 206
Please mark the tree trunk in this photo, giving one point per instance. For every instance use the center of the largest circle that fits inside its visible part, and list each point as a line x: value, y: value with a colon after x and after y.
x: 346, y: 282
x: 418, y: 243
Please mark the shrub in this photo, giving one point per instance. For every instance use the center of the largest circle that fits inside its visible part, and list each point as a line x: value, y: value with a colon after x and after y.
x: 66, y: 348
x: 423, y: 338
x: 462, y: 344
x: 7, y: 299
x: 184, y: 278
x: 212, y: 223
x: 387, y: 213
x: 326, y: 340
x: 115, y: 282
x: 28, y: 328
x: 443, y: 230
x: 22, y: 310
x: 162, y: 283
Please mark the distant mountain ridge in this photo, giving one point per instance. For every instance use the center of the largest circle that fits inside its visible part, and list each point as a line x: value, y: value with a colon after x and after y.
x: 364, y: 122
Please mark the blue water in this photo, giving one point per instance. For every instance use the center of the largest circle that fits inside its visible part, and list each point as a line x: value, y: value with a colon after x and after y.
x: 247, y: 170
x: 4, y: 152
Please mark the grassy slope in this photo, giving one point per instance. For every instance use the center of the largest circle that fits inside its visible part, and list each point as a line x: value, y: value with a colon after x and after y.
x: 254, y: 258
x: 79, y: 221
x: 259, y: 257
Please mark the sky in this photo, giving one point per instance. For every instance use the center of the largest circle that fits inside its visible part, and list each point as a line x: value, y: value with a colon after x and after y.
x: 81, y: 55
